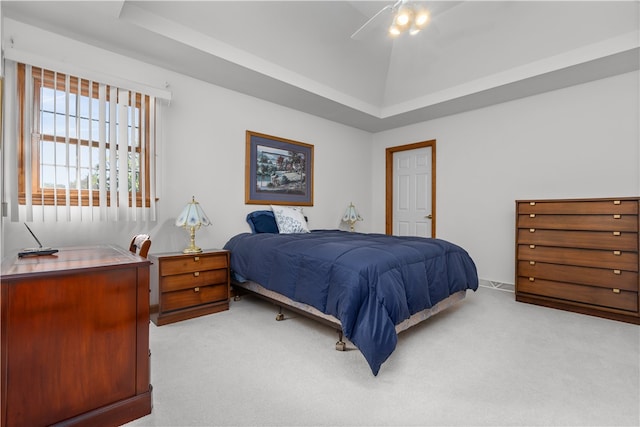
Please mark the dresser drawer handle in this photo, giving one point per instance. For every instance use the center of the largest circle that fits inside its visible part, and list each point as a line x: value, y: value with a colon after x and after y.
x: 616, y: 202
x: 616, y: 272
x: 196, y: 274
x: 196, y: 258
x: 532, y: 230
x: 532, y: 203
x: 616, y: 290
x: 532, y: 279
x: 617, y: 253
x: 616, y: 233
x: 616, y: 216
x: 532, y: 246
x: 196, y: 289
x: 532, y: 263
x: 532, y: 215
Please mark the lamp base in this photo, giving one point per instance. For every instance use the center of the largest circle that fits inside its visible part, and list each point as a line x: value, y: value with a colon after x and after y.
x: 194, y: 250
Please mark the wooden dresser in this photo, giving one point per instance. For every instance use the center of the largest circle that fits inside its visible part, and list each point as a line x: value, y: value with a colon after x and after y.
x: 579, y: 255
x: 75, y: 338
x: 190, y: 285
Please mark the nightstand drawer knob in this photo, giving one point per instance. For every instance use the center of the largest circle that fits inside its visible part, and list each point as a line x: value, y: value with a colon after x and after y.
x: 532, y: 203
x: 532, y: 230
x: 532, y: 246
x: 532, y: 279
x: 532, y: 215
x: 616, y: 290
x: 196, y: 258
x: 196, y: 274
x: 616, y: 272
x: 616, y: 233
x: 616, y: 252
x: 616, y: 202
x: 617, y: 216
x: 197, y: 289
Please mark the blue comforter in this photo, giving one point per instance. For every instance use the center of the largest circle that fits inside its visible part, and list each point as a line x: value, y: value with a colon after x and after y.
x: 370, y: 282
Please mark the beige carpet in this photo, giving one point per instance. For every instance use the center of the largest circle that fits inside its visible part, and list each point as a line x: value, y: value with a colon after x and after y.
x: 488, y: 361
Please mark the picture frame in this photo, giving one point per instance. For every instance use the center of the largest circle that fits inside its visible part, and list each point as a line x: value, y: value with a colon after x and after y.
x: 278, y: 171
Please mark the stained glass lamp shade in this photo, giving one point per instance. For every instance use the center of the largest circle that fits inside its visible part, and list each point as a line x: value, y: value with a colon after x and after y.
x: 191, y: 218
x: 351, y: 216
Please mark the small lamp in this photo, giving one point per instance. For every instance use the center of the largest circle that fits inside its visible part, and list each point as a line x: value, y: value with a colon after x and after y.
x: 191, y: 218
x: 351, y: 216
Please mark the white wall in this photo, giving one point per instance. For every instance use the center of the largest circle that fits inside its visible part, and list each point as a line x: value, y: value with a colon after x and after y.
x: 581, y: 141
x: 203, y: 154
x: 577, y: 142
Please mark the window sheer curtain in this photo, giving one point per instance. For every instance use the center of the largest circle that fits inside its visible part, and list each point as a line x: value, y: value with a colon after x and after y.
x: 106, y: 189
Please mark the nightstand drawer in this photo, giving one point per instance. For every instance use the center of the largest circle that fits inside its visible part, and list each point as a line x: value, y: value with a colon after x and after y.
x: 610, y: 298
x: 191, y: 263
x: 190, y: 285
x: 195, y: 296
x: 191, y: 280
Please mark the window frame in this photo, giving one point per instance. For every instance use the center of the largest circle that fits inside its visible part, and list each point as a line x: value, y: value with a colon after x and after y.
x: 58, y: 197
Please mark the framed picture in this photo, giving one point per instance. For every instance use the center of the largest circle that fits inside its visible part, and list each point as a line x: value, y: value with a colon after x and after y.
x: 278, y: 171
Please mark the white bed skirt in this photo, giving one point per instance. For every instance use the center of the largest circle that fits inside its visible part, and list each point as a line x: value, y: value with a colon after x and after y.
x: 418, y: 317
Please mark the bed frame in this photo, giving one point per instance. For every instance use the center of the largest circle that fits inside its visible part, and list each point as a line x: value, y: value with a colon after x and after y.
x: 253, y: 288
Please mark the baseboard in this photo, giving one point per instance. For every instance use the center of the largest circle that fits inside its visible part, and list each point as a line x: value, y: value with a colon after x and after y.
x: 498, y: 286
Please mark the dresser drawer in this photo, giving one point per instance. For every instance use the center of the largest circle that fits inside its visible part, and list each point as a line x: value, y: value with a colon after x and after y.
x: 604, y: 278
x: 621, y: 300
x: 191, y: 263
x: 580, y: 257
x: 191, y: 280
x: 624, y: 241
x: 195, y: 296
x: 580, y: 222
x: 579, y: 207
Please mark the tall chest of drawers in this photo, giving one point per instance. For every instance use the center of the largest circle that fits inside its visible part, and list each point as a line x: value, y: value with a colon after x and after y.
x: 190, y: 285
x: 579, y: 255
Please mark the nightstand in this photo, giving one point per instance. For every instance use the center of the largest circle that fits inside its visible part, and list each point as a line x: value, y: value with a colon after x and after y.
x: 190, y: 285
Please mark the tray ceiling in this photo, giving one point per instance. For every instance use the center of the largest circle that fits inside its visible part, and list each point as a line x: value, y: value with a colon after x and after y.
x: 300, y: 54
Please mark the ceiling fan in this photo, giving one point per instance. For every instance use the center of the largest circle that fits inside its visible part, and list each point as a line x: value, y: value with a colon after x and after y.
x: 392, y: 13
x: 408, y: 17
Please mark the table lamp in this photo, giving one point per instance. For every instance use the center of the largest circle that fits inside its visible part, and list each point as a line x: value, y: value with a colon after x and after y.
x: 351, y: 216
x: 191, y: 218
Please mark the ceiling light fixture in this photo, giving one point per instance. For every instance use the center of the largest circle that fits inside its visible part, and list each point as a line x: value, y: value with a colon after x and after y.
x: 409, y: 17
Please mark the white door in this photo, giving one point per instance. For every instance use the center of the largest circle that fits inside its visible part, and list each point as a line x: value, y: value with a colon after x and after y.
x: 412, y: 192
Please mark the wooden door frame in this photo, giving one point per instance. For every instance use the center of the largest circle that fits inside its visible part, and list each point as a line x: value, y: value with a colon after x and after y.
x: 389, y: 182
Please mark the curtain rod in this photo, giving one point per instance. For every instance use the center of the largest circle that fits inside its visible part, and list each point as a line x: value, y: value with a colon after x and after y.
x: 86, y: 73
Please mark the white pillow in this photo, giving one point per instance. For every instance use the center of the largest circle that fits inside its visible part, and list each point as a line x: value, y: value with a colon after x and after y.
x: 290, y: 220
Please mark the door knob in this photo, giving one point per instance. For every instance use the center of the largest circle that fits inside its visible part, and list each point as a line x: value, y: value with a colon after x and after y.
x: 429, y: 216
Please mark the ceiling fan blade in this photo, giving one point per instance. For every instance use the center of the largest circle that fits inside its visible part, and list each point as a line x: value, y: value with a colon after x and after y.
x: 387, y: 7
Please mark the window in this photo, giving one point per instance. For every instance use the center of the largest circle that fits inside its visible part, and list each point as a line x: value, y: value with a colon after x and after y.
x: 83, y: 143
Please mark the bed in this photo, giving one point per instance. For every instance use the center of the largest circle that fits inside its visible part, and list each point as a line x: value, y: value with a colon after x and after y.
x: 369, y: 286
